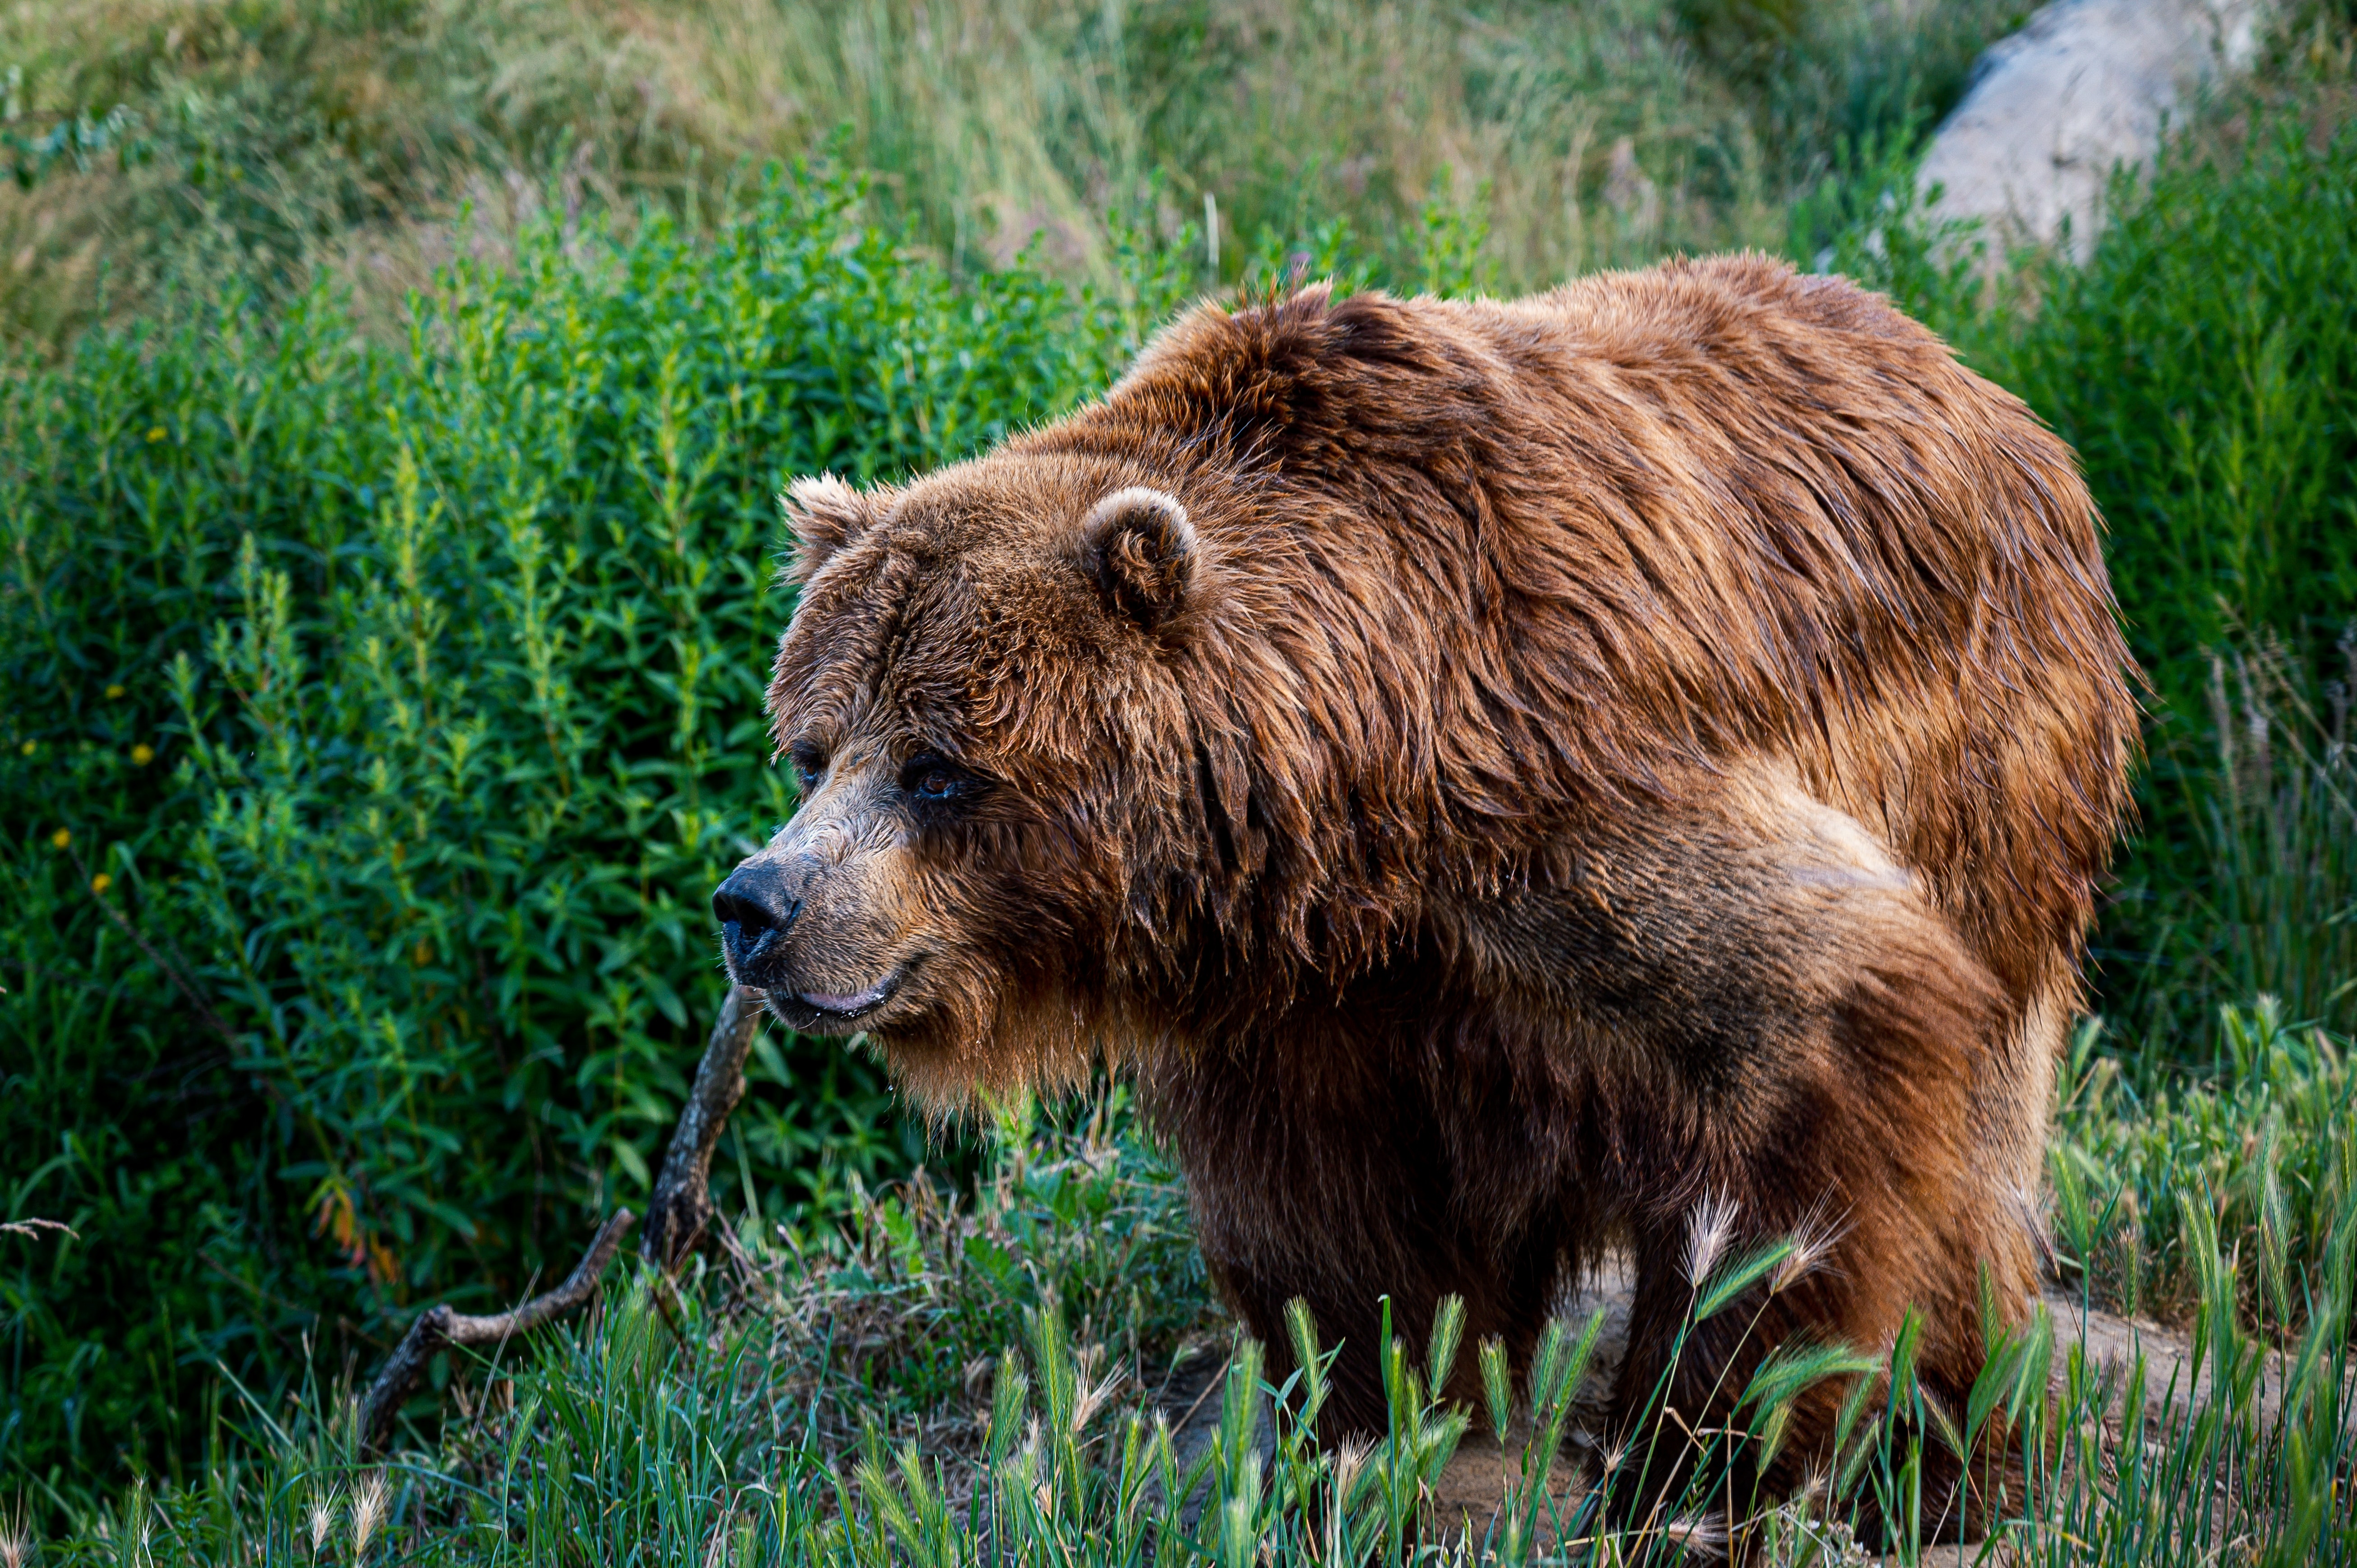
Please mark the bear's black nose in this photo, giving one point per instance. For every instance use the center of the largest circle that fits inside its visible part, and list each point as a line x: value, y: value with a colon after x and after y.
x: 756, y: 908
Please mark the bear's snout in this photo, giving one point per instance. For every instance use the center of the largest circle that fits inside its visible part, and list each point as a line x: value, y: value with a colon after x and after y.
x: 806, y: 934
x: 756, y: 908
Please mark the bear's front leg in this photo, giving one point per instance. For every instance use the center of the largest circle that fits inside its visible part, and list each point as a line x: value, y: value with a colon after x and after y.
x: 1319, y: 1168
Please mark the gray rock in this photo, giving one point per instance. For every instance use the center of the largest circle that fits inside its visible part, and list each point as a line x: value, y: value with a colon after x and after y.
x: 2085, y: 86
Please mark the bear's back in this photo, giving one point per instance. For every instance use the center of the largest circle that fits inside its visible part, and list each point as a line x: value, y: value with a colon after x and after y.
x: 1933, y: 633
x: 1686, y: 516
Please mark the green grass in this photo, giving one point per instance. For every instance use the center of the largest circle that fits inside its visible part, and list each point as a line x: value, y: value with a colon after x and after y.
x: 778, y: 1411
x: 2264, y: 1153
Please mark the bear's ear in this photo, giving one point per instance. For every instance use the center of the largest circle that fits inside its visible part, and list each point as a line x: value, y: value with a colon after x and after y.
x: 825, y: 514
x: 1139, y: 546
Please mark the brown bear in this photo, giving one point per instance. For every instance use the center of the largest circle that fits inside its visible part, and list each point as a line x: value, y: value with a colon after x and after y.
x: 1506, y: 778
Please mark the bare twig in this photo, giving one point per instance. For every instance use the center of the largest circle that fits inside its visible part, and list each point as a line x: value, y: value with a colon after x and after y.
x: 680, y: 1208
x: 439, y: 1327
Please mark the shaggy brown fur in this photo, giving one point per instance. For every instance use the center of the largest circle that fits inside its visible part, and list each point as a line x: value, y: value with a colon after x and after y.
x: 1501, y: 774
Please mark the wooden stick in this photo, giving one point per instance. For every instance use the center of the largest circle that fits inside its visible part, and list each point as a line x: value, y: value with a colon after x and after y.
x: 439, y: 1327
x: 680, y: 1208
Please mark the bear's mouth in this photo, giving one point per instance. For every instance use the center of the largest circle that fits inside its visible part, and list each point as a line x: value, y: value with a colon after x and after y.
x: 823, y: 1012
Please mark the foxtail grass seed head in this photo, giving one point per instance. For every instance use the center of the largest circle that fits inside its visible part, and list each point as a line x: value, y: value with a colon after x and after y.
x: 16, y: 1546
x: 1710, y: 1225
x: 1497, y: 1385
x: 1094, y: 1399
x: 1702, y: 1535
x: 1303, y: 1331
x: 320, y: 1517
x: 1813, y: 1241
x: 1350, y: 1457
x: 1773, y: 1431
x: 368, y: 1512
x: 1448, y: 1332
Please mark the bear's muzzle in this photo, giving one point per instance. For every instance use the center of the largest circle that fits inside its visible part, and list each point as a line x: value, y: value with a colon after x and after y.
x: 756, y: 907
x: 784, y: 932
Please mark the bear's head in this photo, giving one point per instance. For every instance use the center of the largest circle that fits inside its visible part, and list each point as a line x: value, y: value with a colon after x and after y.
x: 980, y: 694
x: 1138, y: 728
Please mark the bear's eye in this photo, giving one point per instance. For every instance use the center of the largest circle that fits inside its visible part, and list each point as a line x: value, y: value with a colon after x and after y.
x: 931, y: 777
x: 808, y: 763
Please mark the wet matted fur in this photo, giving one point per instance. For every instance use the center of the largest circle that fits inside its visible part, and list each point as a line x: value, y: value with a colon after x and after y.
x: 1500, y: 775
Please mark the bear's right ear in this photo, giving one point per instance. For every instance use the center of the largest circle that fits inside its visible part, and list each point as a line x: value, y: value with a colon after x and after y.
x: 1139, y: 545
x: 825, y: 514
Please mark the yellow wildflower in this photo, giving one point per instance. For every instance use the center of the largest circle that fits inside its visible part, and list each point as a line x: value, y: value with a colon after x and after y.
x: 143, y: 754
x: 113, y: 692
x: 101, y: 882
x: 30, y: 746
x: 156, y: 433
x: 62, y: 837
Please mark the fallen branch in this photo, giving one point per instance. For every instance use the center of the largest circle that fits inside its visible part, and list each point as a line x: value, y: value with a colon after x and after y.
x: 679, y: 1209
x: 439, y: 1327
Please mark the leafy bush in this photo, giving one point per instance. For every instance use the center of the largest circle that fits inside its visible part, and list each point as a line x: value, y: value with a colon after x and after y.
x: 2203, y: 363
x: 377, y: 723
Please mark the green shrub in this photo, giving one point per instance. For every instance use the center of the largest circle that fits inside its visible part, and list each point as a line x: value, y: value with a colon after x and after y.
x: 2203, y: 363
x: 378, y: 722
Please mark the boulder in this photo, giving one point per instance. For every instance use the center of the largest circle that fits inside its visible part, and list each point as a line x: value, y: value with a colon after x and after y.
x: 2085, y: 86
